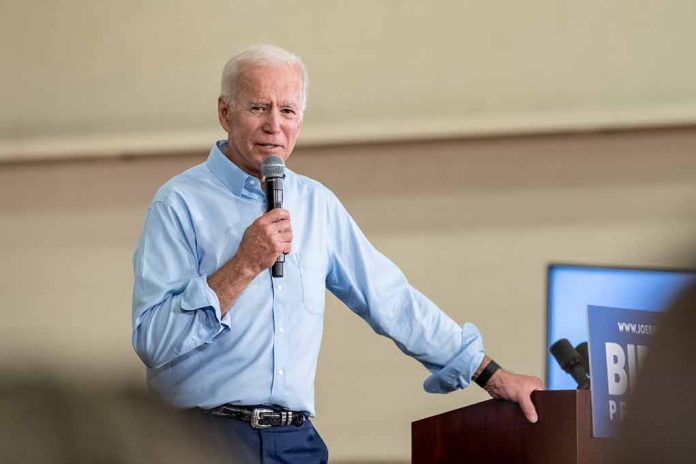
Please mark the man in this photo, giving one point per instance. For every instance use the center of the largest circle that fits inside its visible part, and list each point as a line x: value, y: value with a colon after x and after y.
x: 217, y: 332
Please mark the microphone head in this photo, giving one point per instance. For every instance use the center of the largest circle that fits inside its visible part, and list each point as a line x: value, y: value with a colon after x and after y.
x: 273, y: 167
x: 565, y: 354
x: 571, y: 362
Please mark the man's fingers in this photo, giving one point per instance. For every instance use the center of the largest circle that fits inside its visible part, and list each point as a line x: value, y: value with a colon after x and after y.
x: 528, y: 408
x: 286, y: 237
x: 517, y: 388
x: 274, y: 215
x: 283, y: 226
x: 282, y: 244
x: 268, y: 237
x: 529, y: 386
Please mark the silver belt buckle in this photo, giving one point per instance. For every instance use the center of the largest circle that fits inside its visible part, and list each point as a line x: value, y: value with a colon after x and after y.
x: 256, y: 416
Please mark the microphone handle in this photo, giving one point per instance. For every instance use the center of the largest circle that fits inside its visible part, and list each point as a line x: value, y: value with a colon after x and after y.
x: 580, y: 376
x: 277, y: 268
x: 274, y: 199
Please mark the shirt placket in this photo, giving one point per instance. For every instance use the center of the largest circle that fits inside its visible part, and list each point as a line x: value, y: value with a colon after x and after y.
x: 280, y: 366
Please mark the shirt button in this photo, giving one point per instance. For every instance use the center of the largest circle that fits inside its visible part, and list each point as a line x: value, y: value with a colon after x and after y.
x: 280, y: 287
x: 281, y: 330
x: 281, y: 371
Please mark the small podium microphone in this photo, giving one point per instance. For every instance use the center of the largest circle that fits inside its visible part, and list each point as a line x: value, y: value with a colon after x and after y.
x: 582, y: 350
x: 273, y: 172
x: 571, y: 362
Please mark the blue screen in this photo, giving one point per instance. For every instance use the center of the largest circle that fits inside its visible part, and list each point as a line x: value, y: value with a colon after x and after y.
x: 572, y: 288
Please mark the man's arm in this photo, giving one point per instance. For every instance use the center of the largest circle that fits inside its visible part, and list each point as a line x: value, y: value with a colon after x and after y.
x: 394, y: 308
x: 175, y: 309
x: 513, y: 387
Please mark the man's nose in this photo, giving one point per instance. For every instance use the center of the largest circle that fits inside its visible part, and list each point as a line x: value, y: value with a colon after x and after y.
x: 271, y: 124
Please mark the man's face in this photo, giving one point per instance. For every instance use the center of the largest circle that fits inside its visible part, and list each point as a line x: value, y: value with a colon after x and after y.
x: 265, y: 117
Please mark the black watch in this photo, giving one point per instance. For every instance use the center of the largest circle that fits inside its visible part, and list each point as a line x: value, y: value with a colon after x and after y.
x: 487, y: 373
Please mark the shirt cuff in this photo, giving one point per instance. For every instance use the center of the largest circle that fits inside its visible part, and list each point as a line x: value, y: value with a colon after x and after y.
x: 198, y: 295
x: 458, y: 372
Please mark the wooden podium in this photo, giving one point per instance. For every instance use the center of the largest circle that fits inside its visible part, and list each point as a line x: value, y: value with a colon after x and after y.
x: 495, y: 431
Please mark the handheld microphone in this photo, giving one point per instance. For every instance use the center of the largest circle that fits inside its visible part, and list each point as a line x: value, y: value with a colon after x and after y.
x: 273, y: 172
x: 571, y: 362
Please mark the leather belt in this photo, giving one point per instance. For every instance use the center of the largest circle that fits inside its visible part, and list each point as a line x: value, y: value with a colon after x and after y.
x: 259, y: 418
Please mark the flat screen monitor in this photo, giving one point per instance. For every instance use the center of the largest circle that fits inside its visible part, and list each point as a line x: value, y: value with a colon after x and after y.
x: 571, y: 288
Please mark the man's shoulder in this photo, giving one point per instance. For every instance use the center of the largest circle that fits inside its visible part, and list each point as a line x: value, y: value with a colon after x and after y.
x: 310, y: 186
x: 183, y: 185
x: 315, y: 196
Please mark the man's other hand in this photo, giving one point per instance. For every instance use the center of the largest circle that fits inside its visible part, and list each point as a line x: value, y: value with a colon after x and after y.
x: 265, y: 239
x: 515, y: 387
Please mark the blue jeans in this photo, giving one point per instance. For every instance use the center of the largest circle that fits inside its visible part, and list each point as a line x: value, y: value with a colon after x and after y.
x: 288, y: 444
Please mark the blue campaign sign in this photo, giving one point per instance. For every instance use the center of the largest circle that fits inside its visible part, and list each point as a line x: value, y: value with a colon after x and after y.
x: 619, y: 340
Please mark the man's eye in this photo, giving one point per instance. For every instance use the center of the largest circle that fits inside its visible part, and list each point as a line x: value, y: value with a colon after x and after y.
x: 289, y: 111
x: 256, y: 109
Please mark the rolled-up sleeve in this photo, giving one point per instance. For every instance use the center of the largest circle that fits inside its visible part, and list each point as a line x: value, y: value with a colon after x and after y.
x: 174, y: 309
x: 458, y: 372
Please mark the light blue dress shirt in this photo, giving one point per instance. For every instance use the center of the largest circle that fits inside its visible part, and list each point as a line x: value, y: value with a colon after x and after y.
x: 264, y: 350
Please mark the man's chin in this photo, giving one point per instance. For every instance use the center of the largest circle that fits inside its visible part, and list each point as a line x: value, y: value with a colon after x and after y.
x: 279, y: 153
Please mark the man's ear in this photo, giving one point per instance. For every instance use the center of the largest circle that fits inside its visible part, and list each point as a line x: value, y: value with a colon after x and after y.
x: 223, y: 114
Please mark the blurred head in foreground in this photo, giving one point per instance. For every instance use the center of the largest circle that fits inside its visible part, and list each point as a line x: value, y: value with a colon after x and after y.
x: 660, y: 426
x: 44, y: 420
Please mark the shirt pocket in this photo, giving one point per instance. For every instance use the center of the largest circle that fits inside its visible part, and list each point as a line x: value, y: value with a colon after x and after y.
x: 313, y: 278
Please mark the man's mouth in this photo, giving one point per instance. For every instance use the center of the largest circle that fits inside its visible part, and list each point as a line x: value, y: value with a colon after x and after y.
x: 269, y: 146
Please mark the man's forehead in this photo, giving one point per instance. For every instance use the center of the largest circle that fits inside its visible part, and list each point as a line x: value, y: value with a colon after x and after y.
x: 265, y: 82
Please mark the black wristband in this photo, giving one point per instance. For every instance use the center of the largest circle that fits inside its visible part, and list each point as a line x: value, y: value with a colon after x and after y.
x: 487, y: 373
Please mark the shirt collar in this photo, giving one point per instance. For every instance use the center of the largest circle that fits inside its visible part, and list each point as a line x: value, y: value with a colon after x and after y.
x: 229, y: 173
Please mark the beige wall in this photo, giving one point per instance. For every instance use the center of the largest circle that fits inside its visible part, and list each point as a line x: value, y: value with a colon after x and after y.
x: 473, y: 223
x: 101, y: 77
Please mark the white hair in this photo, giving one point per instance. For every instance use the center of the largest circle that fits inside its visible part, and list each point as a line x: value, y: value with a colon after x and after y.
x: 259, y: 55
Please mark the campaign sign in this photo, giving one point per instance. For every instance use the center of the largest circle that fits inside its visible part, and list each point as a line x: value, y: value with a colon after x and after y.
x: 619, y: 340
